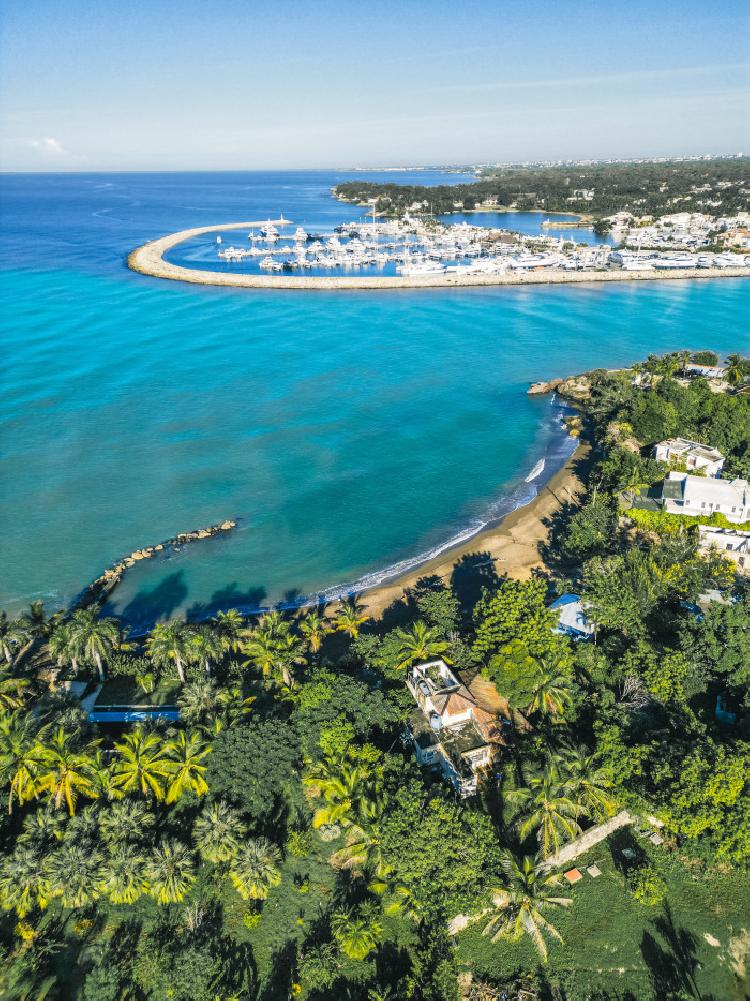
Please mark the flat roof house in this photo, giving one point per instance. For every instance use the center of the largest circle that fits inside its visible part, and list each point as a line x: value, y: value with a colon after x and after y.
x: 683, y: 493
x: 691, y: 454
x: 448, y: 728
x: 571, y: 617
x: 730, y: 542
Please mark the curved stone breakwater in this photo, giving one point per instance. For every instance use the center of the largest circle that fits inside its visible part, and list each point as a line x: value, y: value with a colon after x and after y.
x: 100, y: 589
x: 149, y: 260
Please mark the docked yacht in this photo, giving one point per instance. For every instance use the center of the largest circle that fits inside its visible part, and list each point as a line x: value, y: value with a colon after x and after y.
x: 269, y: 264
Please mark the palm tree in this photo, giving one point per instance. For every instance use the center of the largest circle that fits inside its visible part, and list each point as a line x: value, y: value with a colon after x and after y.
x: 254, y: 869
x: 122, y: 876
x: 202, y: 703
x: 186, y: 752
x: 13, y: 691
x: 126, y: 821
x: 24, y: 880
x: 100, y: 776
x: 75, y: 874
x: 12, y: 636
x: 314, y: 628
x: 95, y: 638
x: 552, y: 694
x: 418, y: 643
x: 350, y: 616
x: 20, y: 757
x: 357, y: 933
x: 273, y: 651
x: 530, y: 893
x: 41, y: 829
x: 170, y: 643
x: 736, y: 370
x: 62, y: 647
x: 207, y: 647
x: 169, y: 872
x: 218, y: 832
x: 229, y: 627
x: 547, y: 808
x: 141, y: 765
x: 587, y: 783
x: 350, y: 787
x: 34, y: 621
x: 64, y: 771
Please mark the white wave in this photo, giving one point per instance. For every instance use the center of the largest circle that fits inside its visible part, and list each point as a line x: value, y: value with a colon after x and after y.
x: 538, y: 468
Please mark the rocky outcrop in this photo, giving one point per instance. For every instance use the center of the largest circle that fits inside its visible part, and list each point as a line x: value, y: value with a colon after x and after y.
x: 99, y: 589
x: 577, y: 388
x: 540, y: 388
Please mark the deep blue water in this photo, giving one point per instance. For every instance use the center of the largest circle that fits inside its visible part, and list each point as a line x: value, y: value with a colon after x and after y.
x: 346, y: 432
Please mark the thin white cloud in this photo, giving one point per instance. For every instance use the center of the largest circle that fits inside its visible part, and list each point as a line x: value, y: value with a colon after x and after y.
x: 48, y: 147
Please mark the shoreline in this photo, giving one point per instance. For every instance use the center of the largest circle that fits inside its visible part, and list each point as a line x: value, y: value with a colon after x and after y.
x: 512, y: 543
x: 148, y: 259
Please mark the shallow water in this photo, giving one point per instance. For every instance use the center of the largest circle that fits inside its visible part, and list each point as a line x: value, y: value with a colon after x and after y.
x: 345, y: 432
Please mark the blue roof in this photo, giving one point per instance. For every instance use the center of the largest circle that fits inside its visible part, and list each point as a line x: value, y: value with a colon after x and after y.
x: 565, y: 599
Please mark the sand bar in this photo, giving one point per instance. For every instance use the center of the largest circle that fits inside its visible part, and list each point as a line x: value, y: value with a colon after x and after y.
x: 149, y: 260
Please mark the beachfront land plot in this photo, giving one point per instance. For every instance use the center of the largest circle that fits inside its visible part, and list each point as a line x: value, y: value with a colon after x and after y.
x: 696, y: 943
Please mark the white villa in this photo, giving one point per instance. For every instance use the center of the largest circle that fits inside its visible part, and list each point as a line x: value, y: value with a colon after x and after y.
x: 730, y: 542
x: 683, y: 493
x: 449, y: 729
x: 571, y: 617
x: 691, y: 454
x: 705, y: 371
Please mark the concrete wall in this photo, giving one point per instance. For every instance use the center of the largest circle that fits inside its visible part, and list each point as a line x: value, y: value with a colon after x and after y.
x: 587, y: 841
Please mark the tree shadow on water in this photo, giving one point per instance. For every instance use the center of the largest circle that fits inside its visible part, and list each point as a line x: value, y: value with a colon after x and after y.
x: 672, y: 963
x: 230, y: 596
x: 151, y: 604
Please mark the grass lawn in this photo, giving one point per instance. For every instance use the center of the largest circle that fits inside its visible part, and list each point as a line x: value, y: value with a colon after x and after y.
x: 697, y: 941
x: 127, y: 692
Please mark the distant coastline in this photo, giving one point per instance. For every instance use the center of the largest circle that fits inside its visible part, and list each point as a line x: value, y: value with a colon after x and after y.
x: 148, y: 259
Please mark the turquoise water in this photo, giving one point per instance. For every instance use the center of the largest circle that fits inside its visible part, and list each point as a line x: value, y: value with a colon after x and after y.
x: 345, y: 432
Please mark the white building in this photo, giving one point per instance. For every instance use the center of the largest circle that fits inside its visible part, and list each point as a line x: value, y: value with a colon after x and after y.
x: 730, y: 542
x: 683, y: 493
x: 706, y: 371
x: 449, y: 729
x: 691, y: 454
x: 571, y: 617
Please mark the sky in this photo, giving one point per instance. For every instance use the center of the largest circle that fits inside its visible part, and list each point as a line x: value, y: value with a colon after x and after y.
x: 240, y: 84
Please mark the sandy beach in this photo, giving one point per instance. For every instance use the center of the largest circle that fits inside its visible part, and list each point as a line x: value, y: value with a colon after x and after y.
x: 513, y: 543
x: 149, y: 260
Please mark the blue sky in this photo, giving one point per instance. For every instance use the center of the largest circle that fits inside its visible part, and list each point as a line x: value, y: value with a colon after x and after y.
x: 94, y: 84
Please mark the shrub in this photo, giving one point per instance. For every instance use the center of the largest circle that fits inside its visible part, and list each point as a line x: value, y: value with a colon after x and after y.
x: 648, y: 887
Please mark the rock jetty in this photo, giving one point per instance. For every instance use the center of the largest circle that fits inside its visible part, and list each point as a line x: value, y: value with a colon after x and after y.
x: 577, y: 388
x: 100, y: 589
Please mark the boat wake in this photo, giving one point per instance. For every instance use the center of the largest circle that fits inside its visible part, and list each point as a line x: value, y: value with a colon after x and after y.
x: 538, y: 468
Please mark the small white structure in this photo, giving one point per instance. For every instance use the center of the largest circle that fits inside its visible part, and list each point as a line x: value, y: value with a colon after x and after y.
x: 706, y: 371
x: 730, y: 542
x: 449, y: 729
x: 691, y: 455
x: 683, y: 493
x: 571, y: 617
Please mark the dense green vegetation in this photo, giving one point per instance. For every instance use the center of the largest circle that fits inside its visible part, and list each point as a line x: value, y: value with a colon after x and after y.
x: 280, y: 841
x: 654, y: 189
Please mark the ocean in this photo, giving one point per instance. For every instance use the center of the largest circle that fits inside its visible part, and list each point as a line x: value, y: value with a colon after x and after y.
x: 348, y: 434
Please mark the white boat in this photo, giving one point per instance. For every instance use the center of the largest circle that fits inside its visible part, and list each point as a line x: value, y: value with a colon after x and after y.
x: 269, y: 264
x: 419, y: 269
x: 635, y: 265
x: 674, y: 263
x: 300, y: 236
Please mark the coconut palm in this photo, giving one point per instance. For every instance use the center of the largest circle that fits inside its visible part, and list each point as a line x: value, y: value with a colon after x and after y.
x: 13, y: 691
x: 206, y: 647
x: 75, y: 874
x: 35, y: 623
x: 418, y: 643
x: 314, y: 628
x: 83, y: 828
x: 357, y: 933
x: 62, y: 647
x: 169, y: 871
x: 121, y: 877
x: 218, y: 832
x: 274, y: 652
x: 141, y: 764
x: 530, y: 893
x: 93, y: 638
x: 12, y: 637
x: 202, y: 703
x: 170, y: 643
x: 41, y: 829
x: 547, y: 808
x: 125, y: 822
x: 254, y: 869
x: 229, y: 627
x: 362, y: 853
x: 24, y: 880
x: 350, y: 787
x: 552, y: 694
x: 587, y: 783
x: 20, y: 757
x: 64, y: 771
x: 184, y: 767
x: 736, y: 370
x: 350, y: 616
x: 100, y: 775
